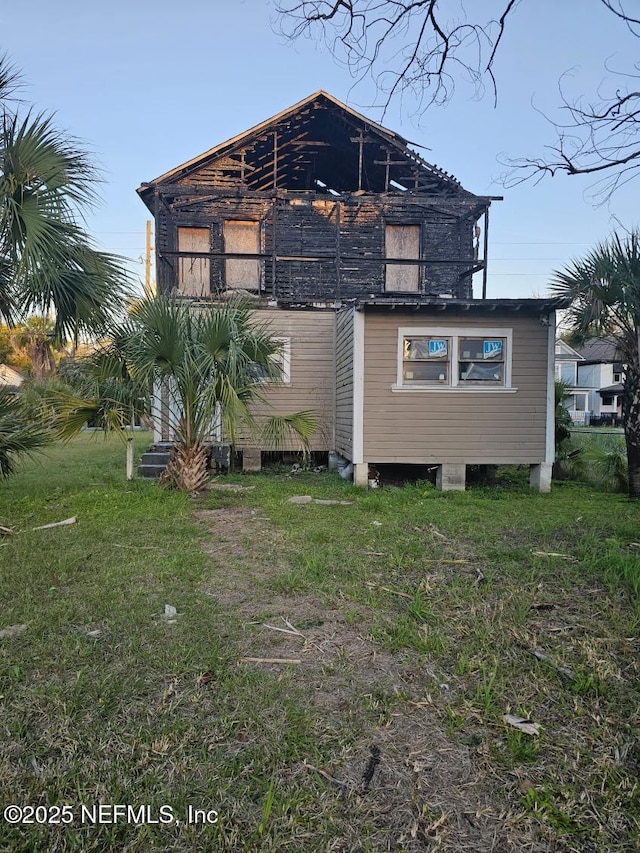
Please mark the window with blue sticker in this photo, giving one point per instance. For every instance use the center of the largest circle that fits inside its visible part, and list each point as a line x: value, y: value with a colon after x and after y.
x: 481, y: 361
x: 425, y: 361
x: 444, y: 358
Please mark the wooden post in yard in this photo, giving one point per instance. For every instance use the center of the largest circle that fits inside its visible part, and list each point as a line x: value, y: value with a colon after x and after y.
x: 129, y: 459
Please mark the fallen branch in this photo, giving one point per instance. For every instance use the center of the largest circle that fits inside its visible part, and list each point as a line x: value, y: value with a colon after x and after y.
x: 71, y: 520
x: 325, y: 775
x: 541, y: 655
x: 387, y: 589
x: 554, y: 554
x: 447, y: 562
x: 271, y: 660
x: 282, y: 630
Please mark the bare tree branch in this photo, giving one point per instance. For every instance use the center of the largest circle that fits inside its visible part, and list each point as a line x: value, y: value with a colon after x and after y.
x: 596, y: 138
x: 427, y: 47
x: 423, y: 46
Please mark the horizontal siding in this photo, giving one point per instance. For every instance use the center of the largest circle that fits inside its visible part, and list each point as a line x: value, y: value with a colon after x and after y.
x: 464, y: 427
x: 312, y: 372
x: 344, y: 384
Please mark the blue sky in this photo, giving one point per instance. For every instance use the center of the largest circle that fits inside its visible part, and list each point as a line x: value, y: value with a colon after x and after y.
x: 148, y: 85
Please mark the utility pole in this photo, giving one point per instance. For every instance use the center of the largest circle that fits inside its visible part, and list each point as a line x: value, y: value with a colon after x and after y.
x: 149, y: 289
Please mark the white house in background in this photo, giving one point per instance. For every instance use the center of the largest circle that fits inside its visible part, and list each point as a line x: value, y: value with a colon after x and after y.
x: 10, y: 378
x: 600, y: 373
x: 567, y: 361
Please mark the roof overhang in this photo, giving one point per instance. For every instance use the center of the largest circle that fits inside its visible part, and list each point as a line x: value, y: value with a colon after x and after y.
x: 618, y: 388
x: 429, y: 305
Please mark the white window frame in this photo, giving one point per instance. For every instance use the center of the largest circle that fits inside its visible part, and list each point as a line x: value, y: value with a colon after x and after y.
x: 283, y: 358
x: 454, y: 334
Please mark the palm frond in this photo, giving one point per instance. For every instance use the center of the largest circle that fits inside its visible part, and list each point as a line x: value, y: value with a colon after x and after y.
x: 19, y: 434
x: 280, y: 429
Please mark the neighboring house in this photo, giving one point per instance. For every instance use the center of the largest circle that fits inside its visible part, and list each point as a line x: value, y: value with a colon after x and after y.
x: 600, y: 373
x: 567, y: 361
x: 361, y: 255
x: 10, y: 378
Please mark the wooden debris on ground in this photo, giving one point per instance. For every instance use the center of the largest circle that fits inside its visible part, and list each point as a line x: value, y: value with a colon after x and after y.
x: 541, y: 655
x: 294, y: 661
x: 72, y: 520
x: 289, y: 629
x: 307, y: 499
x: 522, y: 724
x: 325, y: 775
x: 372, y: 585
x: 555, y: 555
x: 228, y: 487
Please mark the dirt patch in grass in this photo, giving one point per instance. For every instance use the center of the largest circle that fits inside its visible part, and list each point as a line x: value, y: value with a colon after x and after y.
x: 394, y: 778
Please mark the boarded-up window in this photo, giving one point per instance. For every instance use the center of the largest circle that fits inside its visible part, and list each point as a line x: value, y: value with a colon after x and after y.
x: 402, y: 241
x: 194, y: 273
x: 242, y: 238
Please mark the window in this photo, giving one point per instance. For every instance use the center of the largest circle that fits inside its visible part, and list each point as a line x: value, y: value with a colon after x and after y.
x: 402, y: 241
x: 281, y: 358
x: 194, y: 273
x: 607, y: 400
x: 481, y: 360
x: 452, y: 358
x: 242, y: 238
x: 426, y: 360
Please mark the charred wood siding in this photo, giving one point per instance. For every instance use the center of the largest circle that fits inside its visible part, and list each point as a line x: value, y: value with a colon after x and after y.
x: 318, y: 247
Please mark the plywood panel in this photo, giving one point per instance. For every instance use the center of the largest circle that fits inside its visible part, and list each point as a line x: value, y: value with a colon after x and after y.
x: 194, y: 273
x: 243, y: 238
x: 402, y: 241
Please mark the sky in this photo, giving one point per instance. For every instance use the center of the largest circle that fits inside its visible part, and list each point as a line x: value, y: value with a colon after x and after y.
x: 149, y: 84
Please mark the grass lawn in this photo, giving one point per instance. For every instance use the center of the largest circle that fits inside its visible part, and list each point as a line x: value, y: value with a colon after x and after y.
x: 412, y: 621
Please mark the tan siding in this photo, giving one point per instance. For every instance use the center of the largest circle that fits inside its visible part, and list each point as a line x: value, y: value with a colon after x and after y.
x: 344, y: 383
x: 312, y: 335
x: 454, y: 426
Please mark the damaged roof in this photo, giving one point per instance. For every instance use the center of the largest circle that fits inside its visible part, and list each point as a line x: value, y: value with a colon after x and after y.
x: 320, y: 145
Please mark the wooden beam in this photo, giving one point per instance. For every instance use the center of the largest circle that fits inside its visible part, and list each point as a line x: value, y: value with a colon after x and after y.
x: 485, y: 250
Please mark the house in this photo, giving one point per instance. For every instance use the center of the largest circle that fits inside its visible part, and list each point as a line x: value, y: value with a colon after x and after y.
x: 600, y: 374
x: 567, y: 360
x: 362, y: 255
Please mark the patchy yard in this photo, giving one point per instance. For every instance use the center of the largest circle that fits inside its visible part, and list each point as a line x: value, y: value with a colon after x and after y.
x: 405, y: 627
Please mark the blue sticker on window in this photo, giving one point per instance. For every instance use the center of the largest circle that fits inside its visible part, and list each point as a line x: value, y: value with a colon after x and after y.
x: 491, y: 349
x: 437, y: 349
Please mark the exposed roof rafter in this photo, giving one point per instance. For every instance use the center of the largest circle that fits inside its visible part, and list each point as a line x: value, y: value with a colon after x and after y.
x: 319, y: 138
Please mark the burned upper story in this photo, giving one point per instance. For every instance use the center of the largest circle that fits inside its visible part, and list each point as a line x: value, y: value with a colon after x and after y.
x: 313, y: 205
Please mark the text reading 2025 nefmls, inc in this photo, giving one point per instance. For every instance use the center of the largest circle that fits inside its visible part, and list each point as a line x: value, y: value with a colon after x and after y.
x: 107, y: 813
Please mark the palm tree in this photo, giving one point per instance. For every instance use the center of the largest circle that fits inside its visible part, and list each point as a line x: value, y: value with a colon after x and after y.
x: 207, y: 365
x: 605, y: 291
x: 47, y: 261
